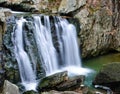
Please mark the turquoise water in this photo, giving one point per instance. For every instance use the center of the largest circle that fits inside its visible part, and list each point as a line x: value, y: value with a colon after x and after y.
x: 96, y: 64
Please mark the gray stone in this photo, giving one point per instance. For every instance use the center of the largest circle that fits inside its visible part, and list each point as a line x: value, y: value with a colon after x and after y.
x: 67, y: 6
x: 4, y: 12
x: 10, y: 88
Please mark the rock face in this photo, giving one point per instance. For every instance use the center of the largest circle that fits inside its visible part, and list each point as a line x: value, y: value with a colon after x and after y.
x: 99, y: 24
x: 68, y: 6
x: 99, y: 21
x: 10, y: 88
x: 109, y: 76
x: 9, y: 63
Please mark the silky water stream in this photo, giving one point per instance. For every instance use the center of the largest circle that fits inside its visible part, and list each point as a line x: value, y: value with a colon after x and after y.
x: 57, y: 49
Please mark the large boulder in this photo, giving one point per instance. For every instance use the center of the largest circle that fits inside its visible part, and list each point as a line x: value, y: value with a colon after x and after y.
x: 61, y: 82
x: 52, y: 81
x: 109, y: 76
x: 10, y: 88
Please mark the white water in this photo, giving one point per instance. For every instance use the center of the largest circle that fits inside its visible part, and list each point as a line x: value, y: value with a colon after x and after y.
x: 26, y: 72
x: 45, y: 46
x: 67, y: 58
x: 69, y: 47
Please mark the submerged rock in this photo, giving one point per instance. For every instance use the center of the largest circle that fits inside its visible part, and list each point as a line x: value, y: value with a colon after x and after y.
x: 10, y: 88
x: 109, y: 76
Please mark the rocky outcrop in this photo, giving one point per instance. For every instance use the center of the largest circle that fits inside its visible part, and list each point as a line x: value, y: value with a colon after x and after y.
x: 68, y: 6
x: 4, y: 13
x: 9, y: 62
x: 109, y: 76
x: 99, y: 20
x: 99, y: 24
x: 10, y: 88
x: 30, y: 92
x: 18, y: 6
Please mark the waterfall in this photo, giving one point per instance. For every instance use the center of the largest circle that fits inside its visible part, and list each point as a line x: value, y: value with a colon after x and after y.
x: 68, y: 42
x: 45, y: 45
x: 58, y: 48
x: 56, y: 43
x: 26, y: 72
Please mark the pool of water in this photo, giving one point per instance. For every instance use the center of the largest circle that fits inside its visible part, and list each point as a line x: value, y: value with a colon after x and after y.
x: 97, y: 63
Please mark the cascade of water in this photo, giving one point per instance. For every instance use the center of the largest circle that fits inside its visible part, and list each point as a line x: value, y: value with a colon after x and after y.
x: 68, y: 43
x: 65, y: 55
x: 68, y: 55
x: 45, y: 46
x: 26, y: 72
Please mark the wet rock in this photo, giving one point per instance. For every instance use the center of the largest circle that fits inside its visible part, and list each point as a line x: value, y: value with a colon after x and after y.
x: 109, y: 76
x: 10, y: 88
x: 52, y: 81
x: 30, y: 45
x: 71, y: 84
x: 9, y: 62
x: 31, y: 92
x: 4, y: 13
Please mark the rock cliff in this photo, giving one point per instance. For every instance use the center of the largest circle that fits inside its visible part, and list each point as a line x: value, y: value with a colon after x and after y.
x: 99, y: 21
x: 100, y: 25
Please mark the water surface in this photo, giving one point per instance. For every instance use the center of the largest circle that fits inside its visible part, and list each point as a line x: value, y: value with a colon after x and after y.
x: 96, y: 64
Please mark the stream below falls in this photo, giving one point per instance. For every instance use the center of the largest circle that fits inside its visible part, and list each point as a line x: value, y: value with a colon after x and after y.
x: 96, y: 64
